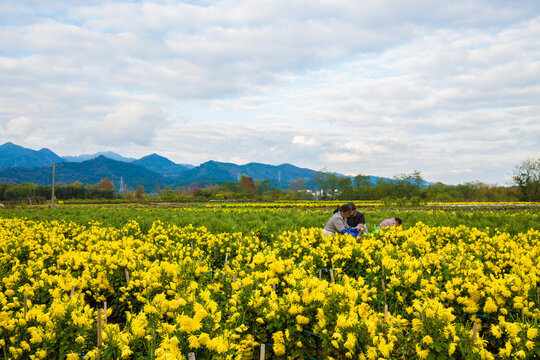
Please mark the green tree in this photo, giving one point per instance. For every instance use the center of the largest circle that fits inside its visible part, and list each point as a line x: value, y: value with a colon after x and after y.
x: 527, y: 178
x: 333, y: 185
x: 321, y: 182
x: 345, y: 188
x: 248, y: 186
x: 105, y: 184
x: 139, y: 193
x: 167, y: 194
x: 263, y: 187
x: 297, y: 185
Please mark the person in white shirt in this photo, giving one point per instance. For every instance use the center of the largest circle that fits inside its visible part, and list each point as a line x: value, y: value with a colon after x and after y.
x: 338, y: 222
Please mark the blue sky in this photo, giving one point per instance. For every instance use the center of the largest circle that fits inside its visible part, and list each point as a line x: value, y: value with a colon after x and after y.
x: 359, y: 87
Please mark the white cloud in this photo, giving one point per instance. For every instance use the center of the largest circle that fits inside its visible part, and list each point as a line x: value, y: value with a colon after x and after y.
x: 19, y: 127
x: 341, y: 158
x: 125, y: 124
x: 383, y: 87
x: 303, y: 141
x: 460, y: 171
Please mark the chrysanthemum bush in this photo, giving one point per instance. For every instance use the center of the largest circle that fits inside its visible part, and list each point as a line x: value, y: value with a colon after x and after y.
x: 175, y: 290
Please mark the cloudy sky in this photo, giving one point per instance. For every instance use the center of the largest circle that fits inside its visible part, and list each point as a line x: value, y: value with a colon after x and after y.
x: 449, y: 88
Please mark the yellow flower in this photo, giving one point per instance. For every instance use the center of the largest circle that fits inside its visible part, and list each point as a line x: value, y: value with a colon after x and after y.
x: 496, y: 331
x: 427, y: 340
x: 193, y: 342
x: 279, y: 349
x: 422, y: 354
x: 451, y: 348
x: 25, y: 346
x: 490, y: 306
x: 72, y: 356
x: 204, y: 338
x: 532, y: 333
x: 372, y: 353
x: 79, y: 340
x: 302, y: 319
x: 351, y: 342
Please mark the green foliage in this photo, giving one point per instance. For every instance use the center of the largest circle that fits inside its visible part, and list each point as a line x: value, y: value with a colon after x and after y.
x: 527, y: 178
x: 32, y: 193
x: 271, y: 222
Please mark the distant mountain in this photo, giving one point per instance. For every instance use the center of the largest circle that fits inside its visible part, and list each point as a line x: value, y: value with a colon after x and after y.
x: 214, y: 172
x: 109, y: 154
x: 15, y: 155
x: 88, y: 172
x: 162, y: 165
x: 20, y: 165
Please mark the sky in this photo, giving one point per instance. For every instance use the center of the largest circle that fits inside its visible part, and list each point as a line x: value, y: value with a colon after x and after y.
x: 373, y: 87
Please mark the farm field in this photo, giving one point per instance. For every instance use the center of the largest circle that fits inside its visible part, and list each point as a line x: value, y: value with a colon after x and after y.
x: 220, y: 280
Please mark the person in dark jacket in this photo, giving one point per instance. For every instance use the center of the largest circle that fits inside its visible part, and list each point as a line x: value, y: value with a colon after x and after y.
x: 357, y: 220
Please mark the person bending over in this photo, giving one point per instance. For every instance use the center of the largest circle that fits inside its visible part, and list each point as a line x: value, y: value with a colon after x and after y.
x: 338, y: 222
x: 390, y: 222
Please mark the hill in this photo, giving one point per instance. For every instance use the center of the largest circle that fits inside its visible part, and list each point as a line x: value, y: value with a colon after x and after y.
x: 161, y: 165
x: 214, y: 172
x: 87, y: 172
x: 109, y: 154
x: 20, y: 165
x: 14, y: 155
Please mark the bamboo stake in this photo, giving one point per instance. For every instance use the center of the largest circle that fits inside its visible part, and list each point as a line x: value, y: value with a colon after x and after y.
x: 475, y: 331
x: 199, y: 260
x: 191, y: 356
x: 5, y: 352
x: 105, y: 312
x: 320, y: 274
x: 274, y: 287
x: 263, y: 351
x: 226, y: 257
x: 127, y: 276
x: 72, y: 293
x: 99, y: 339
x: 332, y: 275
x: 25, y: 305
x: 385, y: 311
x: 233, y: 281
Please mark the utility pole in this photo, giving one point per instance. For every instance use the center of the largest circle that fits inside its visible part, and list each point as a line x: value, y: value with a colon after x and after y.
x: 52, y: 191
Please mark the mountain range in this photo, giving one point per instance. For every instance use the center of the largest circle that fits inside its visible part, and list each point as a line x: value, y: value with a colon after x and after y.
x: 22, y: 165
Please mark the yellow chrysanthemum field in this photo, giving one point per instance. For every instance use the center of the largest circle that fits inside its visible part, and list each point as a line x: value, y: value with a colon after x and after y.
x: 424, y: 290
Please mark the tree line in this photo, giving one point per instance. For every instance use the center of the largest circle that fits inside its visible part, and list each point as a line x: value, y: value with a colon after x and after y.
x: 408, y: 188
x: 32, y: 193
